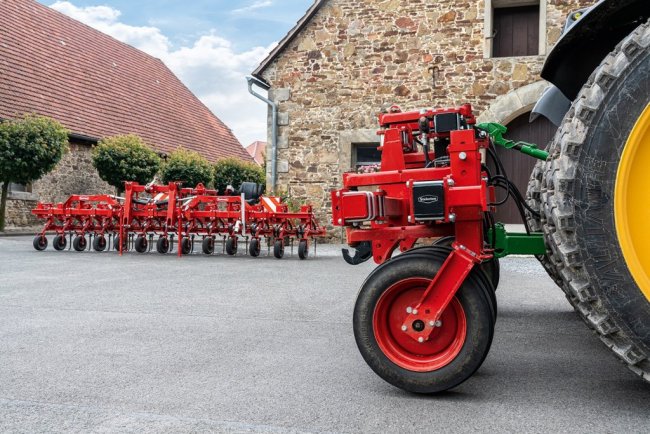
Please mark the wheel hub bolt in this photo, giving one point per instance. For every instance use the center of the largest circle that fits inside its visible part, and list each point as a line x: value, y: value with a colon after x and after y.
x: 438, y: 323
x: 418, y: 325
x: 420, y: 339
x: 409, y: 309
x: 404, y: 328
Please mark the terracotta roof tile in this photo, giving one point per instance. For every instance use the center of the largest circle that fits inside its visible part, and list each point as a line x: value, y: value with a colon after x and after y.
x: 97, y: 86
x: 257, y: 151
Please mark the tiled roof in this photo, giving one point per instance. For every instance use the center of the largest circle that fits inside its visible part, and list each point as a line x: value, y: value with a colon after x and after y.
x: 97, y: 86
x: 257, y: 150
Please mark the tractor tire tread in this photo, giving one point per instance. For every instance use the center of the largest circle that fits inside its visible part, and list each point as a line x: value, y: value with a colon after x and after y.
x: 557, y: 205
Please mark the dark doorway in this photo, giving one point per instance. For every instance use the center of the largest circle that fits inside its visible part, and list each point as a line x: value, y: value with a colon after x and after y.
x: 519, y: 166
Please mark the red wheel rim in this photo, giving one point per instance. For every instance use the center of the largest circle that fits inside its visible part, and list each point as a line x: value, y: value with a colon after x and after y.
x: 444, y: 343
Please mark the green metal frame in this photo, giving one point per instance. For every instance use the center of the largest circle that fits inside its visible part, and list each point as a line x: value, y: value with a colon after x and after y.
x: 508, y: 243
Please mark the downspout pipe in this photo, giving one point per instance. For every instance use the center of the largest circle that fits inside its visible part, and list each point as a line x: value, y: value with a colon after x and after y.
x: 274, y: 121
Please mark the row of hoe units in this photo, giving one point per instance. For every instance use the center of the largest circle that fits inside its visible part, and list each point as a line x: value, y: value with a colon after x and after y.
x: 171, y: 214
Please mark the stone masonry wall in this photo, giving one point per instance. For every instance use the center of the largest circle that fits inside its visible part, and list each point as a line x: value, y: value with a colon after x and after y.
x: 75, y: 174
x: 357, y: 56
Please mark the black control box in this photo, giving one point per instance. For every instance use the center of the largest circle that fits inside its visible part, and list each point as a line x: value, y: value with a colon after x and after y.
x: 429, y: 200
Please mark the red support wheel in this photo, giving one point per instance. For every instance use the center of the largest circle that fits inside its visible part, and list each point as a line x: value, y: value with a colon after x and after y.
x: 231, y: 246
x: 255, y: 247
x: 99, y: 243
x: 79, y: 243
x: 40, y: 242
x: 141, y: 244
x: 60, y: 242
x: 162, y: 245
x: 208, y: 245
x: 278, y: 249
x: 186, y: 246
x: 303, y: 249
x: 458, y: 344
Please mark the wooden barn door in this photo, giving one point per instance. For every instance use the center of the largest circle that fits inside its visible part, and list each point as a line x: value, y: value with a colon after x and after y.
x: 519, y: 166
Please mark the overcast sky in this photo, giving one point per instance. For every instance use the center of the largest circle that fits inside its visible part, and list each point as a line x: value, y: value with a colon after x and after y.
x: 211, y: 45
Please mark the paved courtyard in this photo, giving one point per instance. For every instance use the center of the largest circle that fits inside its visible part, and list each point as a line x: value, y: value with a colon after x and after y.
x: 145, y: 343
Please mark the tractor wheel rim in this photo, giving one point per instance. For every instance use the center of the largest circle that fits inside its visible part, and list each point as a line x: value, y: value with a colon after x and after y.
x: 631, y: 210
x: 445, y: 342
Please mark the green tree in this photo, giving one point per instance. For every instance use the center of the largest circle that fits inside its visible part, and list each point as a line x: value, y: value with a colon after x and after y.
x: 125, y: 158
x: 29, y: 148
x: 188, y: 167
x: 232, y: 171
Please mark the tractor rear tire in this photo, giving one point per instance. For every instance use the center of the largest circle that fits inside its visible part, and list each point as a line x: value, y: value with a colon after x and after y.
x: 59, y: 242
x: 551, y: 263
x: 40, y: 242
x: 99, y: 243
x: 453, y: 353
x: 592, y: 226
x: 79, y: 243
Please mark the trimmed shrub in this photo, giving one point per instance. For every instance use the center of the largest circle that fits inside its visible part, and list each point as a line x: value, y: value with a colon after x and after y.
x: 232, y: 171
x: 125, y: 158
x: 188, y: 167
x: 29, y: 148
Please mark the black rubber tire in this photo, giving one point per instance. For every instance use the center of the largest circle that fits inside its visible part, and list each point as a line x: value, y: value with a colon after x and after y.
x: 492, y: 268
x: 141, y: 244
x: 303, y: 249
x: 441, y: 252
x: 99, y: 243
x: 255, y: 247
x: 116, y: 244
x: 208, y: 245
x: 231, y: 246
x: 162, y: 245
x: 578, y: 198
x: 186, y: 246
x: 59, y: 242
x: 278, y: 249
x: 40, y: 242
x: 550, y: 262
x: 480, y: 326
x: 79, y: 243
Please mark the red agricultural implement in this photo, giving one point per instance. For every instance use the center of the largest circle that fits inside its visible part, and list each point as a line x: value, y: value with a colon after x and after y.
x: 424, y: 320
x: 172, y: 214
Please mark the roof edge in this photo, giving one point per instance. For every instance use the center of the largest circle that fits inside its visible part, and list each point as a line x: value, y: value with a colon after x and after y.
x: 293, y: 33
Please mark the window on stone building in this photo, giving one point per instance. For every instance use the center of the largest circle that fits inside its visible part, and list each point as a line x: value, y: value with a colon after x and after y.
x: 365, y: 154
x: 19, y: 188
x: 515, y: 28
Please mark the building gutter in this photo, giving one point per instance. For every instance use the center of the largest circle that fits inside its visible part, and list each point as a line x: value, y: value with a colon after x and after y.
x: 274, y: 125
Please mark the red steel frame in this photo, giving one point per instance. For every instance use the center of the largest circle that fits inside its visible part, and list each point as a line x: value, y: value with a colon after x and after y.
x: 383, y: 212
x: 185, y: 212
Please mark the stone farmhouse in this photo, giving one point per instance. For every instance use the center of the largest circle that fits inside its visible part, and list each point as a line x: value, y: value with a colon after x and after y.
x: 96, y: 86
x: 345, y: 60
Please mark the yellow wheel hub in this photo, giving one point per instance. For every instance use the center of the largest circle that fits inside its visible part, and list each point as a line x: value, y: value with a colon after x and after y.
x: 632, y: 202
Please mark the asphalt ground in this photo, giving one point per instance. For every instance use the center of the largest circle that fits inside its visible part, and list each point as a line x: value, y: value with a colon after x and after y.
x: 147, y: 343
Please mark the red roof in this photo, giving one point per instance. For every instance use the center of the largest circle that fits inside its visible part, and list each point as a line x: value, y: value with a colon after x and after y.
x: 97, y: 86
x: 257, y: 151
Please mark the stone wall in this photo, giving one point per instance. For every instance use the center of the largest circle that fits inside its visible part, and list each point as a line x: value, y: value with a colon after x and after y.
x: 357, y: 56
x: 75, y: 174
